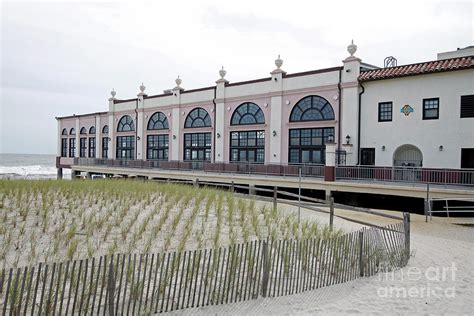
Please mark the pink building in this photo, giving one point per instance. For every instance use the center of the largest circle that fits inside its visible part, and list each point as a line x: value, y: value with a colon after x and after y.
x: 281, y: 120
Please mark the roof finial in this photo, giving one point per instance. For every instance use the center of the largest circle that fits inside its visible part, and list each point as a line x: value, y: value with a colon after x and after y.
x: 178, y: 82
x: 352, y: 48
x: 142, y: 88
x: 222, y: 72
x: 278, y: 62
x: 113, y: 93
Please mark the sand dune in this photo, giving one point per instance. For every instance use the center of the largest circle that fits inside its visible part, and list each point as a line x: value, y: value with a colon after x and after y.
x: 418, y: 289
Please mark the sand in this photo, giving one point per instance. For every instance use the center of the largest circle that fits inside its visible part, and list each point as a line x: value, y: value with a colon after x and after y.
x: 419, y: 288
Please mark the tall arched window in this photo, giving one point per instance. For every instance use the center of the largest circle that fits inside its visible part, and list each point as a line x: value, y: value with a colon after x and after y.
x: 198, y: 117
x: 72, y: 143
x: 125, y: 144
x: 126, y: 124
x: 64, y: 143
x: 312, y: 108
x: 246, y: 114
x: 158, y: 121
x: 83, y: 143
x: 157, y: 145
x: 247, y: 146
x: 105, y: 142
x: 307, y: 145
x: 197, y: 146
x: 92, y: 142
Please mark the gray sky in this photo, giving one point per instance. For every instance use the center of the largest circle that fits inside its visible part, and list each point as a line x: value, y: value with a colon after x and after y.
x: 61, y: 58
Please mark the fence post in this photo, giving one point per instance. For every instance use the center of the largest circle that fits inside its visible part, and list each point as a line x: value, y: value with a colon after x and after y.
x: 265, y: 268
x: 427, y: 201
x: 406, y: 222
x: 361, y: 253
x: 331, y: 213
x: 232, y: 186
x: 275, y: 195
x: 111, y: 287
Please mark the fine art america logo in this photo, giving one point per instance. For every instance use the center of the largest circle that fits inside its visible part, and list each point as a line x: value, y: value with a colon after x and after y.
x: 434, y: 282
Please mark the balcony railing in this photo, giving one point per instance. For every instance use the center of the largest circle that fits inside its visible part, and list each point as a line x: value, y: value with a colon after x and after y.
x: 406, y: 174
x: 307, y: 170
x: 359, y: 173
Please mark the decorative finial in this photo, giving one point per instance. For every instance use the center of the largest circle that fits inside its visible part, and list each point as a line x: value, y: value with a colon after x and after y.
x: 222, y: 72
x: 278, y: 62
x: 352, y: 48
x: 142, y: 88
x: 178, y: 82
x: 113, y: 93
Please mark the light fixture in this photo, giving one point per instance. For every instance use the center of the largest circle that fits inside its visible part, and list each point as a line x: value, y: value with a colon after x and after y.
x: 218, y: 135
x: 348, y: 139
x: 276, y: 79
x: 330, y: 139
x: 274, y: 133
x: 383, y: 147
x: 138, y: 138
x: 441, y: 148
x: 174, y: 136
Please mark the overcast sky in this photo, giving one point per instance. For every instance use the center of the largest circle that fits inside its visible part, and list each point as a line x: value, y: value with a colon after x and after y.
x: 61, y: 57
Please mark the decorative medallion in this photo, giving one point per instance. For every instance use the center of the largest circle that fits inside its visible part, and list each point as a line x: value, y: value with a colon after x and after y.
x: 406, y: 109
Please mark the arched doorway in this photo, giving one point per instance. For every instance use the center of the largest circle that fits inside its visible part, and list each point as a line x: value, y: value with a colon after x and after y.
x: 408, y: 156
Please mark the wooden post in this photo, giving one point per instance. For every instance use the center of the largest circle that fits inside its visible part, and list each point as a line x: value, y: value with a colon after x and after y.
x: 331, y: 213
x: 406, y: 221
x: 361, y: 250
x: 265, y: 268
x: 427, y: 201
x: 232, y: 186
x: 275, y: 195
x: 111, y: 286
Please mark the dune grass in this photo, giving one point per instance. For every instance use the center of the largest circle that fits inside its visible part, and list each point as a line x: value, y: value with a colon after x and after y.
x: 45, y: 221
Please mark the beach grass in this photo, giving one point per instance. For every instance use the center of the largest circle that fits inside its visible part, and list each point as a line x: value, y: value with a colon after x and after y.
x: 48, y: 220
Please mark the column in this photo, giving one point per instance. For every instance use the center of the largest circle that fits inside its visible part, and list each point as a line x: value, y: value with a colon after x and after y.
x: 78, y: 131
x: 59, y: 138
x: 330, y: 169
x: 98, y: 138
x: 176, y: 137
x: 139, y: 123
x: 350, y: 103
x: 220, y: 117
x: 112, y: 140
x: 276, y: 112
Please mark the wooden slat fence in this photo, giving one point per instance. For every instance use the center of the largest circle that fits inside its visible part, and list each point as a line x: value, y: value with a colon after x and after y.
x: 140, y: 283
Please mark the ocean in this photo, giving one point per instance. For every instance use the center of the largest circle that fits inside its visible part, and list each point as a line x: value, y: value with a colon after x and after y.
x: 29, y: 166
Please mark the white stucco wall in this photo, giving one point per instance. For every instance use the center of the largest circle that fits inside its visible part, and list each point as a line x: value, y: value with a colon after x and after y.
x: 450, y: 131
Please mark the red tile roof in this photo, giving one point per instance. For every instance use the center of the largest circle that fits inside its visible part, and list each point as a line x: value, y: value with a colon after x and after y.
x: 418, y: 69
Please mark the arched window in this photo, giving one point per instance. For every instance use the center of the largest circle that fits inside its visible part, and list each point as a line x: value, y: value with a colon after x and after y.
x: 126, y: 124
x: 158, y: 121
x: 72, y: 131
x: 312, y: 108
x: 83, y: 130
x: 248, y: 113
x: 92, y: 130
x: 105, y: 129
x: 64, y: 132
x: 198, y: 117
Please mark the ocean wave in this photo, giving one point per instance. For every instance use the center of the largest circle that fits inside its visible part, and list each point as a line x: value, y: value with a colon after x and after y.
x: 30, y: 172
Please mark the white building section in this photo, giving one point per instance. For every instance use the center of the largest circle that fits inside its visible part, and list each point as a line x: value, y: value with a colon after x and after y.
x: 417, y: 115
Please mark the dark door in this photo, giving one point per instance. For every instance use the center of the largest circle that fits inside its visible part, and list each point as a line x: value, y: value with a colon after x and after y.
x: 467, y: 158
x: 367, y: 156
